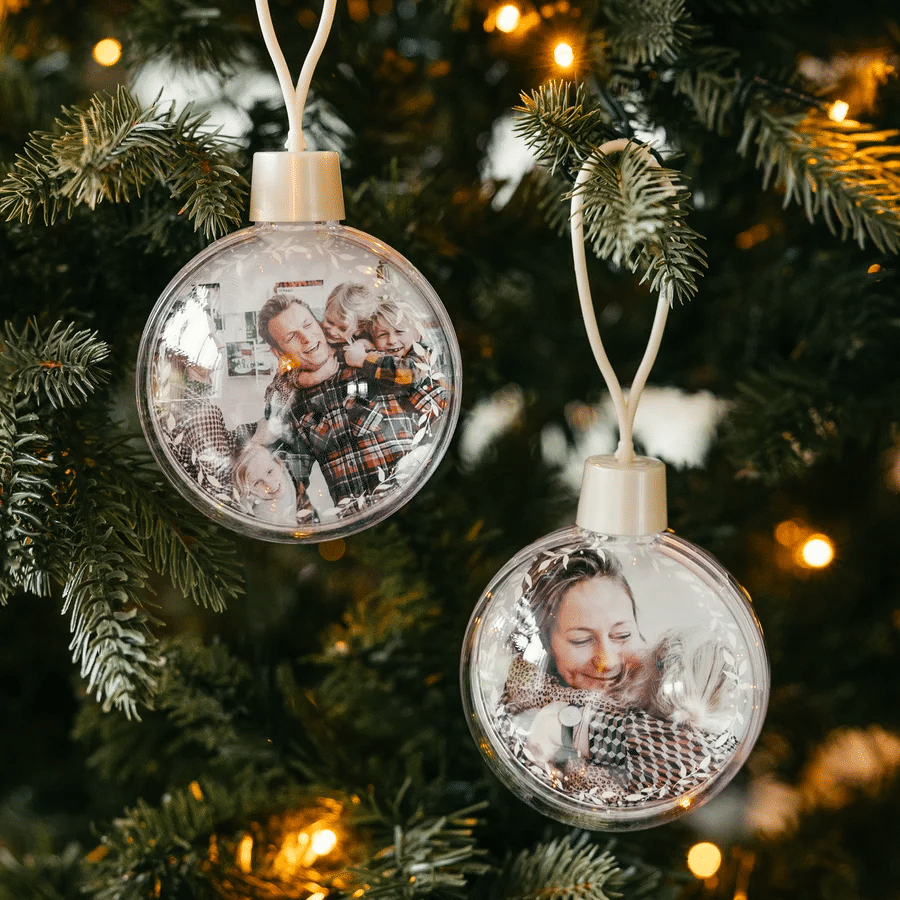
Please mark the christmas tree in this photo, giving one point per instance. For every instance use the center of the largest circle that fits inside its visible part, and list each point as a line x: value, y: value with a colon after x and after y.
x: 193, y: 713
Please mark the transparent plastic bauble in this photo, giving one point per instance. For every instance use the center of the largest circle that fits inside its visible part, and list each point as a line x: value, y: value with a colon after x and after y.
x: 299, y: 382
x: 614, y: 683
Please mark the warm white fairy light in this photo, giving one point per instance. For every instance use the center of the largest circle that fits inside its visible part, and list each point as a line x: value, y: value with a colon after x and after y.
x: 817, y: 551
x: 244, y: 853
x: 508, y: 17
x: 107, y: 52
x: 704, y: 859
x: 838, y: 111
x: 563, y: 55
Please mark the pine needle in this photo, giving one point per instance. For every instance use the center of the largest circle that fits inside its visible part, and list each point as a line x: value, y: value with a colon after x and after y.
x: 110, y: 151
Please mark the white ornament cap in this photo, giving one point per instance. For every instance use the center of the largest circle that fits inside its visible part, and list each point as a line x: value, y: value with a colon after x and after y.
x: 623, y: 499
x: 296, y: 187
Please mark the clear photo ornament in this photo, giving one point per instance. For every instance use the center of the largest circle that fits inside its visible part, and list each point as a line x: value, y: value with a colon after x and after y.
x: 298, y: 381
x: 613, y: 674
x: 614, y: 683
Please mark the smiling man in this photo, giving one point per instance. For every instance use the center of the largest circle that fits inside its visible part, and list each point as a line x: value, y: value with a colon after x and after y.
x: 320, y: 410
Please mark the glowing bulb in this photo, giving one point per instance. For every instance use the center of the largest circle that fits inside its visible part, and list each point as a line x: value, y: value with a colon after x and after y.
x: 323, y: 842
x: 107, y: 52
x: 790, y: 532
x: 508, y: 18
x: 838, y: 111
x: 704, y: 859
x: 563, y: 55
x: 817, y: 552
x: 244, y: 855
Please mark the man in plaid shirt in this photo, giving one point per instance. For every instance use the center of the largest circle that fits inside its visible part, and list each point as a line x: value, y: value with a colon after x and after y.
x: 320, y: 410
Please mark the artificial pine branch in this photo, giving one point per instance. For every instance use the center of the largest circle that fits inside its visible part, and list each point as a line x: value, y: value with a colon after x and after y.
x: 62, y: 365
x: 204, y: 718
x: 560, y: 127
x: 164, y: 850
x: 111, y: 150
x: 196, y: 556
x: 646, y: 31
x: 426, y: 856
x: 569, y: 868
x: 81, y: 509
x: 633, y: 211
x: 843, y: 172
x: 186, y: 34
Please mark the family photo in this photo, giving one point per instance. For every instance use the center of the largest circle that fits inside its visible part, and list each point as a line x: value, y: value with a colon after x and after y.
x: 608, y: 679
x: 308, y: 408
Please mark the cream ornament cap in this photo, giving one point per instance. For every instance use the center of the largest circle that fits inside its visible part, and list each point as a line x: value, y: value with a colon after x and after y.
x: 623, y: 499
x: 300, y: 186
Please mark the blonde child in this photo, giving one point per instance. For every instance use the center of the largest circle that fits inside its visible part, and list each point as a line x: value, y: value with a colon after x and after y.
x: 348, y: 307
x: 263, y: 485
x: 397, y: 356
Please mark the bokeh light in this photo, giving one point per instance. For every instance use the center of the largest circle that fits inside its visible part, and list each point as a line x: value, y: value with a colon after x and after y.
x: 323, y: 842
x: 704, y: 859
x: 107, y: 52
x: 332, y: 551
x: 508, y: 18
x: 563, y: 55
x: 838, y: 111
x: 817, y: 551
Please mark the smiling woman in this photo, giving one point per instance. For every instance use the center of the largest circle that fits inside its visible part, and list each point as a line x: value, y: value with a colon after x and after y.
x: 588, y: 623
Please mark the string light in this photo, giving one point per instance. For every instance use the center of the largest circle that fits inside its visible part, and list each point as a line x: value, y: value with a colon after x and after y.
x: 244, y: 854
x: 331, y: 551
x: 107, y: 52
x: 508, y: 18
x: 817, y: 551
x: 704, y: 859
x: 563, y: 55
x: 838, y: 110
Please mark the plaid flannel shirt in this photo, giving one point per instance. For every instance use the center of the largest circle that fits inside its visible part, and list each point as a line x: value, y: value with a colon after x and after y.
x: 201, y: 443
x: 411, y: 376
x: 357, y: 435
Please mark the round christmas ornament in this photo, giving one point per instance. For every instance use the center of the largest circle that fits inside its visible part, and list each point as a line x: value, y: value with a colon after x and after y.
x: 613, y: 674
x: 298, y: 380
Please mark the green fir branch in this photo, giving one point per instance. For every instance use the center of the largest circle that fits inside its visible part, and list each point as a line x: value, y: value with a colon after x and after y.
x: 185, y: 34
x: 110, y: 151
x: 569, y: 868
x: 25, y: 501
x: 634, y: 217
x: 646, y: 31
x: 164, y: 850
x: 185, y: 547
x: 205, y: 714
x: 62, y: 365
x: 559, y: 126
x: 843, y: 172
x: 425, y: 856
x: 633, y: 211
x: 111, y: 637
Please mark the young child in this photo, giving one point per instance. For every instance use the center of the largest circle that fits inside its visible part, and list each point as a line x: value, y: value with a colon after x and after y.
x: 691, y: 681
x: 348, y: 307
x: 263, y: 485
x: 397, y: 356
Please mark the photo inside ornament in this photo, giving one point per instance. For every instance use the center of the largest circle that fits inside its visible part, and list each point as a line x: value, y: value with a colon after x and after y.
x: 299, y: 382
x: 614, y: 683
